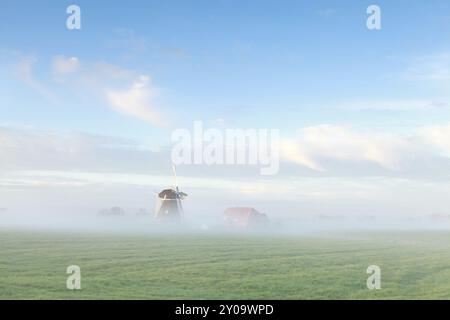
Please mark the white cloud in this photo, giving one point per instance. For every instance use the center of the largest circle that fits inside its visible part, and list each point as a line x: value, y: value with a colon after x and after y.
x: 31, y: 149
x: 293, y: 151
x: 63, y: 66
x: 123, y: 90
x: 330, y: 150
x: 136, y: 100
x: 325, y: 142
x: 437, y: 137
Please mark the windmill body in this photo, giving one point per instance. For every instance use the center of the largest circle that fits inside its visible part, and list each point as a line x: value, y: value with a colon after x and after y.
x: 170, y: 208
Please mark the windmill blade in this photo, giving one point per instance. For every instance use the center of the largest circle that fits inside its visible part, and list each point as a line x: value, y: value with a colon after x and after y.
x: 181, y: 195
x: 180, y: 206
x: 175, y: 175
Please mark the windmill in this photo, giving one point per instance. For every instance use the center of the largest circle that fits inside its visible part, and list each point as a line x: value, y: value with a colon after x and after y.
x: 169, y: 206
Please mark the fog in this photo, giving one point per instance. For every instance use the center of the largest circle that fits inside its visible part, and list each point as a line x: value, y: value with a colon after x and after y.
x: 297, y: 207
x: 136, y: 221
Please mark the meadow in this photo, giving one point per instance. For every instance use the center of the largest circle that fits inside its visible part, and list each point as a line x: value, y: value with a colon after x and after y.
x: 414, y: 265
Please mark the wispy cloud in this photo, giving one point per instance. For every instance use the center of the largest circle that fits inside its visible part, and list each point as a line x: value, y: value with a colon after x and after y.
x: 327, y: 149
x: 134, y: 44
x: 62, y: 66
x: 431, y: 67
x: 396, y: 105
x: 25, y: 72
x: 318, y: 143
x: 136, y: 100
x: 125, y: 91
x: 32, y: 149
x: 317, y: 147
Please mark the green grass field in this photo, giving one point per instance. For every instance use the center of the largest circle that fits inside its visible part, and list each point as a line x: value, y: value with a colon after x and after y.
x: 415, y: 265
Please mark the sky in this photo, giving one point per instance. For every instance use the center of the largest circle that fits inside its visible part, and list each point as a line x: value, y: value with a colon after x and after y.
x: 86, y: 116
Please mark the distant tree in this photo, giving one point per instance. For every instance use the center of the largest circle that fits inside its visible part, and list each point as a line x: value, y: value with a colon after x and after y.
x: 112, y: 212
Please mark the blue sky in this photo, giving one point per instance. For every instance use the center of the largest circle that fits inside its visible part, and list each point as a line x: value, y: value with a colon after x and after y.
x: 231, y: 59
x: 309, y: 68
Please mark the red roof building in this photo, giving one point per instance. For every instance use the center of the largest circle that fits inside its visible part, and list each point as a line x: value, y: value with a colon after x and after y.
x: 244, y: 217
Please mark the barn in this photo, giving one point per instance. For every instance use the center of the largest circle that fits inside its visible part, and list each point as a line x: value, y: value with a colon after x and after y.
x: 244, y: 218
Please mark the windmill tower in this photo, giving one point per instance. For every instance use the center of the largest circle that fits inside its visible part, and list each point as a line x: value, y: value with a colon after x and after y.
x: 169, y: 206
